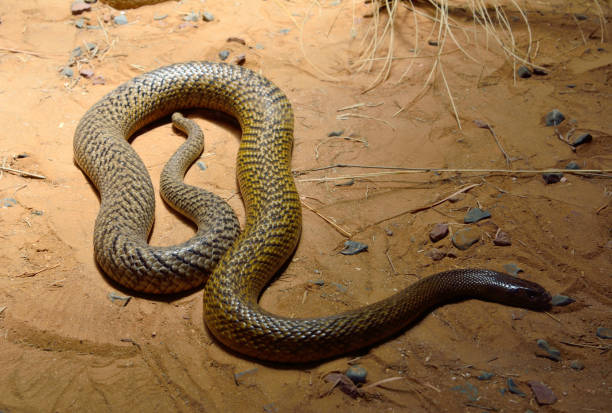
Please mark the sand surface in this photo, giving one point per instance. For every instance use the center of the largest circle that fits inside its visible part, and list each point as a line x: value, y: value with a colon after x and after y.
x: 65, y: 346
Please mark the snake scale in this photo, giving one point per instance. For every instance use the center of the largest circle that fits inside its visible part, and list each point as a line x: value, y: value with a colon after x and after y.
x: 271, y: 231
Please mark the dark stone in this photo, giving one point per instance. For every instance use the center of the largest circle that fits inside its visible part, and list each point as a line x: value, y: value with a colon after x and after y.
x: 552, y: 353
x: 465, y: 238
x: 542, y: 393
x: 572, y: 165
x: 438, y: 232
x: 513, y: 388
x: 436, y: 254
x: 78, y: 7
x: 554, y: 118
x: 357, y: 374
x: 561, y: 300
x: 552, y: 178
x: 523, y: 72
x: 539, y: 72
x: 577, y: 365
x: 485, y: 376
x: 475, y: 215
x: 353, y: 247
x: 335, y: 133
x: 584, y: 138
x: 502, y: 239
x: 604, y: 332
x: 224, y: 54
x: 208, y: 17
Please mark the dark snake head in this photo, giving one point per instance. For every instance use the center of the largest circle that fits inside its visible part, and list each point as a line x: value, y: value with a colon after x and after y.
x: 522, y: 293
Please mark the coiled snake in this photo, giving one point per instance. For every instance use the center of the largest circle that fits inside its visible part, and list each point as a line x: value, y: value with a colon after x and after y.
x: 273, y: 220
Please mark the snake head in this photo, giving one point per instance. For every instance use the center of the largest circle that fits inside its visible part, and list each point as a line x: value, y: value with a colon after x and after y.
x: 528, y: 294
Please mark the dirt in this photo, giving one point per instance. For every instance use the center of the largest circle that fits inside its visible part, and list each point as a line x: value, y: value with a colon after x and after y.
x: 66, y: 346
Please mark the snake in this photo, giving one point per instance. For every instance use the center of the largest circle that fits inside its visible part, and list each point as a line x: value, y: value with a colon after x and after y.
x: 235, y: 265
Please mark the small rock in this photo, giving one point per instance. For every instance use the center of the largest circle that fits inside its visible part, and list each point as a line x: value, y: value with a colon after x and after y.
x: 86, y: 72
x: 604, y: 332
x: 76, y: 52
x: 236, y: 40
x: 554, y: 118
x: 120, y: 19
x: 335, y: 133
x: 98, y: 80
x: 224, y: 54
x: 438, y: 232
x: 357, y: 374
x: 66, y: 71
x: 581, y: 16
x: 584, y: 138
x: 542, y: 393
x: 320, y: 283
x: 388, y: 232
x: 571, y: 85
x: 561, y: 300
x: 353, y: 247
x: 572, y: 165
x: 502, y: 239
x: 207, y: 17
x: 340, y: 287
x: 191, y: 17
x: 7, y: 202
x: 513, y: 388
x: 90, y: 1
x: 475, y: 215
x: 457, y: 197
x: 284, y: 31
x: 239, y: 60
x: 539, y: 72
x: 465, y: 238
x: 512, y: 269
x: 158, y: 17
x: 78, y: 7
x: 123, y: 300
x: 552, y: 178
x: 432, y: 42
x: 38, y: 212
x: 259, y: 46
x: 552, y: 353
x: 485, y: 376
x: 80, y: 23
x: 577, y: 365
x: 436, y: 254
x: 201, y: 165
x: 523, y: 72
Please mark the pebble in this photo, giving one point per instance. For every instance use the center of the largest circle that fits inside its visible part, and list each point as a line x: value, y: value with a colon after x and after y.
x: 66, y: 71
x: 539, y: 72
x: 523, y: 72
x: 552, y: 353
x: 561, y: 300
x: 572, y: 165
x: 259, y: 46
x: 120, y: 19
x: 554, y: 118
x: 78, y: 7
x: 224, y: 54
x: 465, y: 238
x: 502, y: 239
x: 353, y: 247
x: 512, y: 269
x: 542, y: 393
x: 457, y: 197
x: 319, y: 282
x: 603, y: 332
x: 552, y: 178
x: 80, y: 23
x: 98, y: 80
x: 335, y: 133
x: 201, y: 165
x: 124, y: 300
x: 7, y: 202
x: 357, y: 374
x: 158, y: 17
x: 469, y: 390
x: 389, y: 232
x: 86, y: 72
x: 208, y: 17
x: 239, y: 60
x: 438, y: 232
x: 485, y: 375
x: 513, y: 388
x: 76, y: 52
x: 191, y: 17
x: 475, y: 215
x: 577, y: 365
x: 340, y: 287
x: 436, y: 254
x: 581, y: 16
x: 236, y: 40
x: 284, y: 31
x: 584, y: 138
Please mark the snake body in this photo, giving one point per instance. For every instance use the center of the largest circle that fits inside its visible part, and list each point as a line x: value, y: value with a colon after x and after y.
x: 271, y: 231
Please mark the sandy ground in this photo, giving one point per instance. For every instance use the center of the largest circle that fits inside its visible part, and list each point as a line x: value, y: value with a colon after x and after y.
x: 65, y: 346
